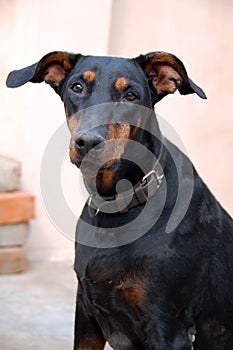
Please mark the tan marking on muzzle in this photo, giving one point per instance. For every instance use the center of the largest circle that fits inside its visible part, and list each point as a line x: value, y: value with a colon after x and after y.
x: 115, y: 149
x: 135, y: 128
x: 121, y: 84
x: 72, y: 152
x: 73, y: 123
x: 105, y: 179
x: 118, y: 131
x: 89, y: 76
x: 66, y: 112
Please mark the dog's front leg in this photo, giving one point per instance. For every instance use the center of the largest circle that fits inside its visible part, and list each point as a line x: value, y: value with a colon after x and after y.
x: 88, y: 335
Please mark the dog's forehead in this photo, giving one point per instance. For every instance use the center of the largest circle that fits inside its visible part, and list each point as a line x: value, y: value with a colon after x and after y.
x: 113, y: 66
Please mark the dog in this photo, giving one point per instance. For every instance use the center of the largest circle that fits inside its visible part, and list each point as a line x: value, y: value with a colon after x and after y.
x: 154, y: 248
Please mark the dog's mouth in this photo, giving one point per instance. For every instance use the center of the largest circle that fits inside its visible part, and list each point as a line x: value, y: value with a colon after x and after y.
x: 100, y: 178
x: 94, y: 168
x: 96, y: 162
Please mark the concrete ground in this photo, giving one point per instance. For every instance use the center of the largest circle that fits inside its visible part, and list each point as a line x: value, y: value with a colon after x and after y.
x: 37, y: 308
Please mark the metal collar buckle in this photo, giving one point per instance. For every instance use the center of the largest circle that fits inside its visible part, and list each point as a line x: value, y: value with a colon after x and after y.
x: 157, y: 176
x: 89, y: 203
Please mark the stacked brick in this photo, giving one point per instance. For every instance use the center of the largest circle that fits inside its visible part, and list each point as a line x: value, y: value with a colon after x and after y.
x: 16, y: 209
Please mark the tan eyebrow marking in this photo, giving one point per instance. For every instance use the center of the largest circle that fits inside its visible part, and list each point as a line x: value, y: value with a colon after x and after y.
x: 89, y: 76
x: 121, y: 83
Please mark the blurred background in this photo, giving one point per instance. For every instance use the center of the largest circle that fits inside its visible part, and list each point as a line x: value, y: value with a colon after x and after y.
x: 198, y: 32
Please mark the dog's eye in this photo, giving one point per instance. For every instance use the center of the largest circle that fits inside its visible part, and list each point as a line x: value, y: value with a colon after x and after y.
x: 77, y: 87
x: 130, y: 96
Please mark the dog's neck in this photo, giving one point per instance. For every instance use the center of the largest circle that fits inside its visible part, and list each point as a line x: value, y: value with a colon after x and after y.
x: 106, y: 183
x: 138, y: 194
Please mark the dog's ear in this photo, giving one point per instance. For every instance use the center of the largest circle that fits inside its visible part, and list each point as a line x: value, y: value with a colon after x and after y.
x: 166, y: 73
x: 52, y: 69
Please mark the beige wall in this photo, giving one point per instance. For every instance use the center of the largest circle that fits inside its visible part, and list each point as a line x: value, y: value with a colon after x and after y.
x: 198, y: 32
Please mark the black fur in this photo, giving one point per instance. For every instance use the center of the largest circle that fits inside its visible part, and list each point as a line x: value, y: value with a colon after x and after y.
x: 165, y: 289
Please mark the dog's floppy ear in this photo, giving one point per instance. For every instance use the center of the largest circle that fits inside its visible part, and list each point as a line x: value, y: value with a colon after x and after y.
x: 52, y: 68
x: 166, y: 73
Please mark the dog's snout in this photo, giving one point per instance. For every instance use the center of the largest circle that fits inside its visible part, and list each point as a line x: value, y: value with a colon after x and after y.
x: 85, y: 142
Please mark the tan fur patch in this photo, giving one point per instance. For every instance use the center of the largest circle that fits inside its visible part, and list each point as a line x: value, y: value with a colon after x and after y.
x: 73, y: 123
x: 54, y: 74
x: 118, y: 131
x: 133, y: 289
x: 107, y: 179
x: 92, y: 341
x: 121, y: 83
x: 112, y: 152
x: 116, y: 149
x: 163, y: 58
x: 66, y: 112
x: 47, y: 67
x: 62, y: 57
x: 89, y: 76
x: 165, y: 71
x: 135, y: 128
x: 72, y: 152
x: 167, y: 80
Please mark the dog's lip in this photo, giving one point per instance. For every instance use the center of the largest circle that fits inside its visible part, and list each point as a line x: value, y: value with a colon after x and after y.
x: 80, y: 162
x: 91, y: 169
x: 88, y: 163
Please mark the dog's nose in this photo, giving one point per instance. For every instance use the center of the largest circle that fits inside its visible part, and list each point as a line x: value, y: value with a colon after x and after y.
x: 85, y: 142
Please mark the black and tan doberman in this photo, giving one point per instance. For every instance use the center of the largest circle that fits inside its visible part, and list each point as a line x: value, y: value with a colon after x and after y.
x: 142, y: 285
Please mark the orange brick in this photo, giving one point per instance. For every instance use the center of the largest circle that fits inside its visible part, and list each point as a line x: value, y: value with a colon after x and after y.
x: 16, y: 207
x: 12, y: 259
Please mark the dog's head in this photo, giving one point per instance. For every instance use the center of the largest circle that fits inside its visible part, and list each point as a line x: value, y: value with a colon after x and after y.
x: 101, y: 95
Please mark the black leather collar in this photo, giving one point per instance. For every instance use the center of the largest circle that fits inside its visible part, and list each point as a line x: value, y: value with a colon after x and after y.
x: 139, y: 194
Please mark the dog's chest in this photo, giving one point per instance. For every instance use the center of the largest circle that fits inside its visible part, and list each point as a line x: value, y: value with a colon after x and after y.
x: 108, y: 281
x: 114, y: 296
